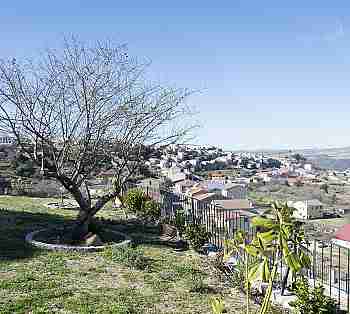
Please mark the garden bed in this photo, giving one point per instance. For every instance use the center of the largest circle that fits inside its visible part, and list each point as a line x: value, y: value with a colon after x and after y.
x: 55, y: 240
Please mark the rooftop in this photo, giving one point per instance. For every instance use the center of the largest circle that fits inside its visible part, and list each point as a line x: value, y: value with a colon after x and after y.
x: 234, y: 204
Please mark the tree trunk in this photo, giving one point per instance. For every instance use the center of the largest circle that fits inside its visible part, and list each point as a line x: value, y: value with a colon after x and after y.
x: 81, y: 228
x: 86, y: 211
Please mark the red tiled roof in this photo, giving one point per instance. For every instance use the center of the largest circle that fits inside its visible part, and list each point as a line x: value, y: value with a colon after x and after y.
x: 343, y: 233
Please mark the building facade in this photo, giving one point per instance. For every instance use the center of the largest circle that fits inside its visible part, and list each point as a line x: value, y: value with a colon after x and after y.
x: 309, y: 209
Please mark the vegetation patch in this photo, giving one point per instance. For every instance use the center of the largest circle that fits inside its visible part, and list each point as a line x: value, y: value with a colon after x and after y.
x: 36, y: 281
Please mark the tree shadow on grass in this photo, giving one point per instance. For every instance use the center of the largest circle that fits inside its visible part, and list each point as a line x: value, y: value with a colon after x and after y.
x: 15, y: 225
x: 139, y: 232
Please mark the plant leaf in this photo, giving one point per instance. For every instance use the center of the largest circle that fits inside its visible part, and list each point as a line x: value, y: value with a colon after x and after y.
x: 263, y: 222
x: 267, y: 237
x: 254, y: 272
x: 293, y: 262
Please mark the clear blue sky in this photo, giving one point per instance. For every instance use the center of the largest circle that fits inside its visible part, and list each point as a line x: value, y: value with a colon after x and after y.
x: 274, y: 74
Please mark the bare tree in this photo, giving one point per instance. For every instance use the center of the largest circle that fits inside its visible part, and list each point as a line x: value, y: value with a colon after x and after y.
x: 82, y: 104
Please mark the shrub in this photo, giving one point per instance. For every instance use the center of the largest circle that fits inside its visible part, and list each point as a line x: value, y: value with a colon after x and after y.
x: 127, y: 256
x: 152, y: 209
x: 312, y: 301
x: 197, y: 235
x: 135, y: 200
x: 140, y: 204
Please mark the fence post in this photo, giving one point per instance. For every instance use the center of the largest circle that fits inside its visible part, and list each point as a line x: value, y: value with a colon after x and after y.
x: 347, y: 282
x: 322, y: 264
x: 330, y: 271
x: 192, y: 211
x: 339, y: 279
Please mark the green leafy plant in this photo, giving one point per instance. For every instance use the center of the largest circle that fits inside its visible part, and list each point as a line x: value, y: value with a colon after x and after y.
x: 127, y: 256
x: 217, y: 305
x: 197, y: 235
x: 280, y: 237
x: 135, y: 200
x: 141, y: 205
x: 238, y: 247
x: 312, y: 301
x: 152, y: 209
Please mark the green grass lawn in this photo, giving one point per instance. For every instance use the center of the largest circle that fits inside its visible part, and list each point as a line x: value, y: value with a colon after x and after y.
x: 35, y: 281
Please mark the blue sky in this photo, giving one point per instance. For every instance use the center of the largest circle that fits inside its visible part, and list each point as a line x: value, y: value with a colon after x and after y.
x: 273, y: 74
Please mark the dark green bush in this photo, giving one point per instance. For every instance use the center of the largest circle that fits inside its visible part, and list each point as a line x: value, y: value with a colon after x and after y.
x: 312, y: 301
x: 197, y: 235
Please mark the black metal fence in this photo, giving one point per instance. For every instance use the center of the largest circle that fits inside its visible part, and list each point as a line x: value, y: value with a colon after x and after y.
x: 330, y: 262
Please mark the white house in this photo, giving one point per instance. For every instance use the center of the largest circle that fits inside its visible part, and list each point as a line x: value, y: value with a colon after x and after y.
x: 235, y: 191
x: 6, y: 139
x: 308, y: 167
x: 174, y: 173
x: 180, y: 155
x: 164, y: 163
x: 308, y: 209
x: 182, y: 187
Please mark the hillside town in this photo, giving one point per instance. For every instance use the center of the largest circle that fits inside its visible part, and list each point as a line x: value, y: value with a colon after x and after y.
x: 210, y: 174
x: 206, y: 173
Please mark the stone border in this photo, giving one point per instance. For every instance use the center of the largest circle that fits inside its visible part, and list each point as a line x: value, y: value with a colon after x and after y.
x: 71, y: 248
x: 57, y: 205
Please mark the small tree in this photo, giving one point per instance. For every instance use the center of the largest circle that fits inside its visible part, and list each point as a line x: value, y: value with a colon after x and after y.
x: 281, y: 238
x: 84, y: 104
x: 238, y: 247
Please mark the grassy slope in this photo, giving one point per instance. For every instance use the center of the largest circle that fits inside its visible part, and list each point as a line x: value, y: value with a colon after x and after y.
x: 33, y: 281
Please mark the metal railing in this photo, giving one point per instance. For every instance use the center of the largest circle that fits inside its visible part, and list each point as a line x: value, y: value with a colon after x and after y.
x: 330, y: 263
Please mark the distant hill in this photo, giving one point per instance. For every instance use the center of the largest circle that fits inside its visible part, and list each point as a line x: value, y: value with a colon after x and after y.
x: 331, y: 163
x: 329, y: 158
x: 337, y: 158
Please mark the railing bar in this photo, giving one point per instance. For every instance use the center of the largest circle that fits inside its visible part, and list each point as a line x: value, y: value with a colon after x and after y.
x: 347, y: 282
x: 330, y: 270
x: 339, y: 276
x: 322, y: 264
x: 216, y: 226
x: 314, y: 253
